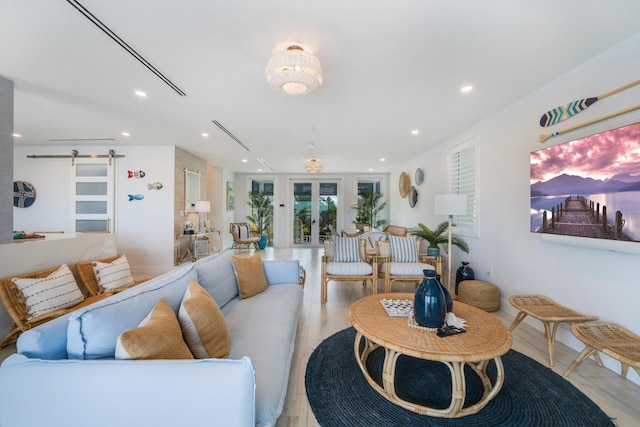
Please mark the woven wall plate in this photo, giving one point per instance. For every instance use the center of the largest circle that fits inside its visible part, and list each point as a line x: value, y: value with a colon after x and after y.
x: 24, y: 194
x: 413, y: 196
x: 405, y: 183
x: 419, y: 177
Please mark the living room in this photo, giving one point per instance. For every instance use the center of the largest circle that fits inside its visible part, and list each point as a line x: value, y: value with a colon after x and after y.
x: 589, y: 278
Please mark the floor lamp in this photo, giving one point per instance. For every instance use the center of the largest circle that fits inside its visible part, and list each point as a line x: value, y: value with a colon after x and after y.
x: 450, y: 204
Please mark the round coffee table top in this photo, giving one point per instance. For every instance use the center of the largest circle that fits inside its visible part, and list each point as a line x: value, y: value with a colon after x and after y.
x: 486, y: 337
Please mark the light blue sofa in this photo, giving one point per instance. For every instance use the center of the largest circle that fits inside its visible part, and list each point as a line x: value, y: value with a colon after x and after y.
x: 64, y: 373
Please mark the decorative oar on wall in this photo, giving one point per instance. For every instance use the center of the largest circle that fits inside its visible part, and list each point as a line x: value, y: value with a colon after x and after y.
x: 559, y: 114
x: 543, y: 138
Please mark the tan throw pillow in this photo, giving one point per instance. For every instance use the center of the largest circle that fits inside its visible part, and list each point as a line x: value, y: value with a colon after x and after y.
x: 158, y: 336
x: 56, y: 291
x: 203, y: 325
x: 250, y: 275
x: 113, y: 275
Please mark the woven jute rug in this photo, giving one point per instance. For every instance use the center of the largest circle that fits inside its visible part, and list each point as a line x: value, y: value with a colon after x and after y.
x: 532, y: 394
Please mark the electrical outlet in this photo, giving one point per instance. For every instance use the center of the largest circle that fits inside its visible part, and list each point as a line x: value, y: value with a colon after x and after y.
x: 489, y: 272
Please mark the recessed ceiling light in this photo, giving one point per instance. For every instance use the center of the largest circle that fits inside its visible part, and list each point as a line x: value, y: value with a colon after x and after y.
x: 415, y: 132
x: 140, y: 94
x: 126, y: 134
x: 465, y: 89
x: 204, y: 134
x: 382, y: 159
x: 16, y: 135
x: 244, y: 160
x: 370, y: 169
x: 259, y: 170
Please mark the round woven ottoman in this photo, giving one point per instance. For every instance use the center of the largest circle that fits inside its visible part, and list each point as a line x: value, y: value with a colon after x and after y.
x: 477, y: 293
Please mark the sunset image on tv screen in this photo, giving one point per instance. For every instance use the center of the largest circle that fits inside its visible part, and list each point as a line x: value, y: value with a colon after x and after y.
x: 589, y: 187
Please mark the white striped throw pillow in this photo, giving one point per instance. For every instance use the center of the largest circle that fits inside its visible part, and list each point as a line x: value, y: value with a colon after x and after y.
x: 347, y: 249
x: 113, y: 275
x: 242, y: 231
x: 56, y: 291
x: 403, y: 249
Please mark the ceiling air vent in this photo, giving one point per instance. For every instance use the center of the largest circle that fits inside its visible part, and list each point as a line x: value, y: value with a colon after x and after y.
x: 83, y: 10
x: 224, y: 129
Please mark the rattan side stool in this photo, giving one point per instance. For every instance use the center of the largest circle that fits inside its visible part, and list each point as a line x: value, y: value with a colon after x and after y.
x: 613, y: 340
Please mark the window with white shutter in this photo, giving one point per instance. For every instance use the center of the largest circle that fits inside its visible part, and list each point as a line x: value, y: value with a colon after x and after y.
x: 463, y: 180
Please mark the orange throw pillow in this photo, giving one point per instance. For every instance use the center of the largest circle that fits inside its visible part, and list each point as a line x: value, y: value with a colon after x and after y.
x: 250, y: 275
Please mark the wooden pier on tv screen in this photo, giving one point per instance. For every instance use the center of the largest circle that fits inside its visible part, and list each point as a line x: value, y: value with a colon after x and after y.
x: 580, y: 217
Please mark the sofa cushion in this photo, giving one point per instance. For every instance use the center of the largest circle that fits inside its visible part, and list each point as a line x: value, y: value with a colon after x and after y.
x: 93, y: 330
x: 203, y: 325
x: 44, y: 295
x: 216, y: 275
x: 158, y: 336
x: 264, y: 329
x: 113, y: 275
x: 250, y: 275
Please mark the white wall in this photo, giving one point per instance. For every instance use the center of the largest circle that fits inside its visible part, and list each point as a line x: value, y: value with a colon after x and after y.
x: 592, y: 281
x: 144, y: 227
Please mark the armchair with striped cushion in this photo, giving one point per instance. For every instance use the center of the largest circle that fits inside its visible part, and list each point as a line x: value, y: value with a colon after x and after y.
x: 402, y: 261
x: 243, y: 236
x: 344, y: 259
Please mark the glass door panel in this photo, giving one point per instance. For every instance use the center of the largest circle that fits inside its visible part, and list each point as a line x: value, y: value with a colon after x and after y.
x: 328, y: 210
x: 302, y: 212
x: 315, y: 207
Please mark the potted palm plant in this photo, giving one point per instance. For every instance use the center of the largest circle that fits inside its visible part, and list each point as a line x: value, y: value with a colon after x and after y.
x: 261, y: 217
x: 368, y: 208
x: 439, y: 235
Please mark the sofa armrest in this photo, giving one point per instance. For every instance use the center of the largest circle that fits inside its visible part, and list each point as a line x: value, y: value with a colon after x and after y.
x: 193, y: 393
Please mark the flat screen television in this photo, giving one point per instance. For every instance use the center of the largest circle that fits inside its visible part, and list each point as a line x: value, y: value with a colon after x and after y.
x: 589, y: 187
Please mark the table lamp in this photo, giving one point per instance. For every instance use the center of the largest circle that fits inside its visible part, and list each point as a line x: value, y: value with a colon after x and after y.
x: 450, y: 204
x: 202, y: 207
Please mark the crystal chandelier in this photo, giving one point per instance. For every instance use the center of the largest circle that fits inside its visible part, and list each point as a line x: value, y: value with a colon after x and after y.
x: 313, y: 166
x: 294, y: 71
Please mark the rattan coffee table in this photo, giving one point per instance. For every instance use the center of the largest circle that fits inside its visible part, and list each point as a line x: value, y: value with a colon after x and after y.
x: 486, y: 339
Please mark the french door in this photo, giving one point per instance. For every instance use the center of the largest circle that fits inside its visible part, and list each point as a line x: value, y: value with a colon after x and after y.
x: 314, y: 211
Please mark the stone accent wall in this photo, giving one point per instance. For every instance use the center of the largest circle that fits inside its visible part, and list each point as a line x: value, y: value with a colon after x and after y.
x: 6, y: 161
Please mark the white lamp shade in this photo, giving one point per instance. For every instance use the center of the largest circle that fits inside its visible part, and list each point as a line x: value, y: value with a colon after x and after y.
x: 203, y: 206
x: 451, y: 204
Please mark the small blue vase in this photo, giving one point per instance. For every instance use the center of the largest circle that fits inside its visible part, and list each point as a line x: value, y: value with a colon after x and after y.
x: 430, y: 305
x: 264, y: 239
x: 447, y: 295
x: 464, y: 273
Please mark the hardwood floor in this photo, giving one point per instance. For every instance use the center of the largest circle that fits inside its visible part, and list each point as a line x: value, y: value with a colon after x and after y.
x: 619, y: 398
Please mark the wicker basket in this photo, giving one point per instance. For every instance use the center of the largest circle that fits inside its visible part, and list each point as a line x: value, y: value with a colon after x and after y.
x: 477, y: 293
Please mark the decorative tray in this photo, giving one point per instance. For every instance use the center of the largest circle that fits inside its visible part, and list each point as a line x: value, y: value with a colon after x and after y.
x: 397, y: 307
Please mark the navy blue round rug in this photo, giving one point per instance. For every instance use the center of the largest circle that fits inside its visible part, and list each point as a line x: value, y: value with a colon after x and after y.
x: 532, y: 394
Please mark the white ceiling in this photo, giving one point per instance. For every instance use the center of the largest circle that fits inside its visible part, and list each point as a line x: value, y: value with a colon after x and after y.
x: 389, y: 68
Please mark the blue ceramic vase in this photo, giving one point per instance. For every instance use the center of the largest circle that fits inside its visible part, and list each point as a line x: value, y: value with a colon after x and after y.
x: 447, y: 295
x: 430, y: 305
x: 464, y: 273
x: 264, y: 239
